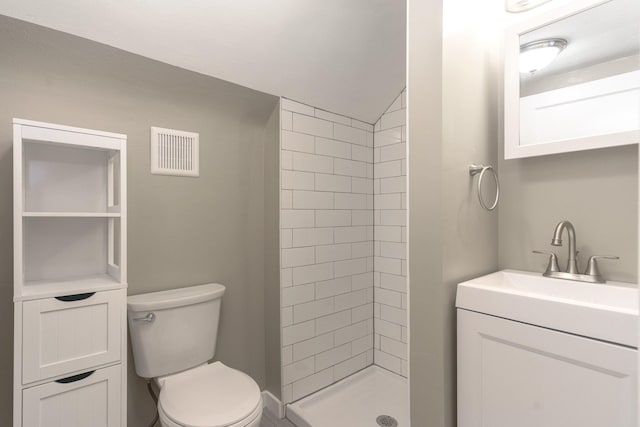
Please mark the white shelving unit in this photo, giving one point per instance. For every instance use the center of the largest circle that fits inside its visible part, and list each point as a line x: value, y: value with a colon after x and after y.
x: 70, y: 276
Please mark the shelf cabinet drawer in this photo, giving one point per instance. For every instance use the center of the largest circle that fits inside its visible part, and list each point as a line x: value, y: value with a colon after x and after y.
x: 81, y: 401
x: 69, y: 334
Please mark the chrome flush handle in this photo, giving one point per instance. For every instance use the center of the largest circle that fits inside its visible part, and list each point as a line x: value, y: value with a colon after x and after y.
x: 150, y: 317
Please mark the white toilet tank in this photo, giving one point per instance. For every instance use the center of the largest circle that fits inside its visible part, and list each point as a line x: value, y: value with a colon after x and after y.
x: 174, y: 330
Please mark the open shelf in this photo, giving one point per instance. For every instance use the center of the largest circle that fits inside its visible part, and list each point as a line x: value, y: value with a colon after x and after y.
x: 71, y: 214
x: 68, y: 286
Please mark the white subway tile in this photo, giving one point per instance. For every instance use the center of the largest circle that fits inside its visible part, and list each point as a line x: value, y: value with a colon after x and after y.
x: 286, y: 277
x: 404, y: 98
x: 333, y: 218
x: 298, y: 256
x: 350, y: 134
x: 393, y: 185
x: 312, y: 310
x: 297, y: 294
x: 376, y: 341
x: 376, y: 155
x: 362, y: 345
x: 362, y: 154
x: 362, y: 249
x: 336, y: 118
x: 287, y: 393
x: 393, y: 282
x: 388, y: 233
x: 333, y: 356
x: 312, y: 346
x: 350, y: 333
x: 393, y: 347
x: 329, y: 288
x: 404, y: 267
x: 387, y: 201
x: 349, y: 168
x: 330, y: 147
x: 312, y: 126
x: 370, y: 171
x: 298, y: 332
x: 330, y: 253
x: 335, y: 183
x: 286, y: 240
x: 296, y: 218
x: 350, y: 300
x: 395, y: 105
x: 403, y: 201
x: 387, y: 297
x: 393, y: 217
x: 361, y: 281
x: 393, y: 315
x: 350, y: 267
x: 312, y: 273
x: 405, y: 301
x: 405, y: 334
x: 361, y: 125
x: 286, y: 159
x: 312, y: 200
x: 361, y: 185
x: 350, y: 201
x: 393, y: 250
x: 393, y: 152
x: 387, y: 361
x: 388, y: 265
x: 404, y: 133
x: 350, y: 234
x: 404, y: 368
x: 370, y: 139
x: 403, y: 234
x: 370, y: 229
x: 350, y: 366
x: 312, y: 383
x: 296, y: 180
x: 390, y: 120
x: 312, y: 236
x: 387, y: 137
x: 333, y: 321
x: 363, y: 312
x: 297, y: 370
x: 286, y: 316
x: 295, y: 141
x: 388, y: 169
x: 312, y: 163
x: 297, y: 107
x: 361, y: 217
x: 286, y: 120
x: 287, y: 355
x: 387, y: 329
x: 286, y: 199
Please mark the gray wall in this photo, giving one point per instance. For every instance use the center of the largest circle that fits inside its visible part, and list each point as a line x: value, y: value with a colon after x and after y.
x: 453, y: 121
x: 182, y: 231
x: 596, y: 190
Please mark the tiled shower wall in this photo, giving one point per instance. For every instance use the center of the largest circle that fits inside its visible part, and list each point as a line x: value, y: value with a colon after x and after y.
x: 326, y: 245
x: 390, y: 245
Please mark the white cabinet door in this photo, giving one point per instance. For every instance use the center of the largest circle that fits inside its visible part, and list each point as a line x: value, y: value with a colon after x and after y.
x: 67, y: 335
x: 92, y: 401
x: 514, y: 374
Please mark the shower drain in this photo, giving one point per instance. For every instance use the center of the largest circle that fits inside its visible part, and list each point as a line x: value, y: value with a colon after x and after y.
x: 386, y: 421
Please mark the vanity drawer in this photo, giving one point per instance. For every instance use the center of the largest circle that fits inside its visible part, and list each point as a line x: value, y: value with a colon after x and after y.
x: 91, y: 399
x: 69, y: 334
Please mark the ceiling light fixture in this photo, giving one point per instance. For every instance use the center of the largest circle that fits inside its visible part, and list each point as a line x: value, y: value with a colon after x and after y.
x: 516, y: 6
x: 536, y: 55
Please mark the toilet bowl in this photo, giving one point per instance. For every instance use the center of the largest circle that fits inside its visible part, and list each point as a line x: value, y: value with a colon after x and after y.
x: 173, y: 336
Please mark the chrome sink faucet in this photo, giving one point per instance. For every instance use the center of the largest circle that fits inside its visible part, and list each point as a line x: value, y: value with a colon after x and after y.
x: 572, y: 263
x: 591, y: 274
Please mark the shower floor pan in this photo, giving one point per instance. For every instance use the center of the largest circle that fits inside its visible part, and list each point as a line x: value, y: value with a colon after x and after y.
x: 364, y: 399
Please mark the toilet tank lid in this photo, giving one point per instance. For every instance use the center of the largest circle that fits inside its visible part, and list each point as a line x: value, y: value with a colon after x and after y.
x: 175, y: 297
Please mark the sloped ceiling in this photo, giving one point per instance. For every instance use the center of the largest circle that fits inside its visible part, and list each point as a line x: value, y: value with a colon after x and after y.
x: 345, y: 56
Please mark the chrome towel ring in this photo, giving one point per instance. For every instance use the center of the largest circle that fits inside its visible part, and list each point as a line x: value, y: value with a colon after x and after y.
x: 481, y: 169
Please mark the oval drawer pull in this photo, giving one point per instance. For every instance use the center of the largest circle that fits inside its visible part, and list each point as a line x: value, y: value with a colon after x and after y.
x: 75, y: 297
x: 74, y: 378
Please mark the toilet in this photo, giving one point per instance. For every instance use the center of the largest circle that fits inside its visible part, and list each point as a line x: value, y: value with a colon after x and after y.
x: 173, y: 336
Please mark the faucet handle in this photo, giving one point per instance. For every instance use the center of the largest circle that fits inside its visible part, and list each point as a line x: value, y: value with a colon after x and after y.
x: 592, y: 265
x: 553, y: 261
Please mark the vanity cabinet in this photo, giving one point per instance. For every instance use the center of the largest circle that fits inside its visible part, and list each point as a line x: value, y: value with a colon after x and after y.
x: 69, y: 276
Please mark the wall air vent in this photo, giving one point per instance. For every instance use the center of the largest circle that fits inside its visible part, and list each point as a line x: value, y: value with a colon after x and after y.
x: 174, y: 152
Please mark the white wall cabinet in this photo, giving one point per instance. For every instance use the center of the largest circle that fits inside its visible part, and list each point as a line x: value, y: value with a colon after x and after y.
x: 69, y: 276
x: 515, y: 374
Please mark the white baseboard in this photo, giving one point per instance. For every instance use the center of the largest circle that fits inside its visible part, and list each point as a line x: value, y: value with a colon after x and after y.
x: 273, y: 405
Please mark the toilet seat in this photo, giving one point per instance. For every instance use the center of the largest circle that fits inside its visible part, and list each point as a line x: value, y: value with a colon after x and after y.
x: 211, y: 395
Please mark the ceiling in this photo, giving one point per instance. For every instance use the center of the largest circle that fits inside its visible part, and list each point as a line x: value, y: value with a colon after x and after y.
x: 347, y: 57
